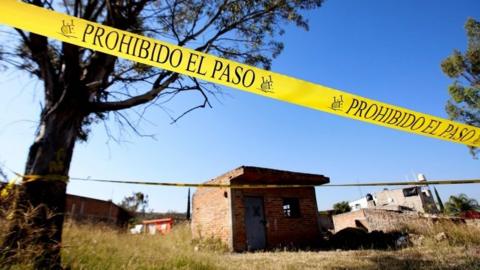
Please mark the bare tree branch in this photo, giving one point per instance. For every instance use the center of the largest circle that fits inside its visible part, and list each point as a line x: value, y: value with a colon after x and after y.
x: 137, y: 100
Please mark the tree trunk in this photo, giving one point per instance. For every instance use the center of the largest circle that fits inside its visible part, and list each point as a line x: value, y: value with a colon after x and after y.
x: 35, y: 229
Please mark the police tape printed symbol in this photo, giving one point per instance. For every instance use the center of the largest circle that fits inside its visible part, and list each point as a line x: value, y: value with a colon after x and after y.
x: 267, y: 84
x: 337, y: 104
x: 67, y: 29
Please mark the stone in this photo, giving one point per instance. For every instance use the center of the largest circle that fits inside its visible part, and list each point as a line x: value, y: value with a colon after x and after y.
x: 415, y: 239
x: 441, y: 236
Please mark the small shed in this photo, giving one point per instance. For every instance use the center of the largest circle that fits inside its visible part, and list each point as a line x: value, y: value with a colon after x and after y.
x: 259, y: 218
x: 160, y: 226
x: 153, y: 226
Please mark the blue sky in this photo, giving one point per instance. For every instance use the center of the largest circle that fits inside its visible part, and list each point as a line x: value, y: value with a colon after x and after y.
x: 384, y: 50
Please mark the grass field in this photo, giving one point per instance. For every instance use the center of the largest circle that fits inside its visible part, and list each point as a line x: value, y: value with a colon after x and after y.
x: 97, y: 247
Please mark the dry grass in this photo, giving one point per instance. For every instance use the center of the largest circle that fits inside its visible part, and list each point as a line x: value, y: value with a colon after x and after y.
x: 97, y: 247
x: 87, y: 247
x: 410, y: 258
x: 457, y: 234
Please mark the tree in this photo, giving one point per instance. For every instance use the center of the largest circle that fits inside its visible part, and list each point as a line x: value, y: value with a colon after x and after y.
x: 464, y: 103
x: 459, y: 204
x: 137, y: 202
x: 3, y: 175
x: 341, y: 207
x: 187, y: 216
x: 439, y: 200
x: 5, y: 188
x: 82, y: 87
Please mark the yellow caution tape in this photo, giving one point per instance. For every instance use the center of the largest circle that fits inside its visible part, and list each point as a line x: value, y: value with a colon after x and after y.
x: 249, y: 186
x: 31, y: 178
x: 6, y: 190
x: 49, y: 177
x: 229, y: 73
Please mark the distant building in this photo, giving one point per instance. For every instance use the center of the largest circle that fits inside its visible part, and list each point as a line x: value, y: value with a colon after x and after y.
x: 258, y: 218
x: 388, y: 210
x: 414, y: 198
x: 325, y: 220
x: 365, y: 202
x: 470, y: 214
x: 85, y: 209
x: 153, y: 226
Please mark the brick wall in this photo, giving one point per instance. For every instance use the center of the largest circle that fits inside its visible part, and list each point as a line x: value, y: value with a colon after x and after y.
x: 211, y: 215
x: 387, y: 221
x: 89, y: 209
x: 345, y: 220
x: 375, y: 219
x: 473, y: 222
x: 280, y: 230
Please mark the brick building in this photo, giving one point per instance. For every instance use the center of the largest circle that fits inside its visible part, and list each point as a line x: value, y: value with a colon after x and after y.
x: 258, y: 218
x: 88, y: 209
x: 84, y: 209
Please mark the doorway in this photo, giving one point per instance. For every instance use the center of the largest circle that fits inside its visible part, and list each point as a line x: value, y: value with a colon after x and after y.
x: 255, y: 223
